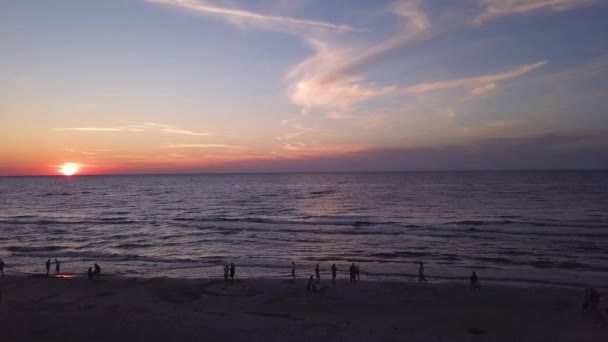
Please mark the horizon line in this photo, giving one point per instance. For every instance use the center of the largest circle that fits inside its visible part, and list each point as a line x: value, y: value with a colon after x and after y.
x: 299, y: 172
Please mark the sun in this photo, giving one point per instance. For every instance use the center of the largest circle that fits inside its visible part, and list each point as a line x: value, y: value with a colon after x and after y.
x: 69, y: 169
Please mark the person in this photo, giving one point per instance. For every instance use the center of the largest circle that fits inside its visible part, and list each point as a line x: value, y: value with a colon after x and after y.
x: 353, y: 273
x: 57, y: 266
x: 421, y: 277
x: 358, y: 273
x: 48, y: 267
x: 309, y: 286
x: 97, y: 272
x: 2, y: 267
x: 474, y: 284
x: 90, y: 274
x: 226, y: 271
x: 232, y: 270
x: 318, y: 272
x: 334, y: 270
x: 293, y: 270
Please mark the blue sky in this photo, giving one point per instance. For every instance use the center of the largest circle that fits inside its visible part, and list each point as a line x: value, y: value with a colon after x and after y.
x: 209, y: 85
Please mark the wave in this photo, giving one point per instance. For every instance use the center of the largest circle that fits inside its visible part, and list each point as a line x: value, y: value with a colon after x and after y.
x: 34, y: 248
x: 599, y: 224
x: 337, y: 222
x: 109, y: 220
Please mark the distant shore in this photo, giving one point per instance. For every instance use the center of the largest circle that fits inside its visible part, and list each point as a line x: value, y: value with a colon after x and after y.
x: 159, y: 309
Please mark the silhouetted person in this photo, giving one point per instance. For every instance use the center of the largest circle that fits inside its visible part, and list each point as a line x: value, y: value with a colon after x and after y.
x: 318, y: 272
x: 48, y: 267
x: 57, y: 266
x: 353, y: 273
x: 358, y: 273
x: 310, y: 285
x: 97, y: 272
x: 474, y: 284
x: 232, y: 270
x: 2, y: 267
x: 90, y: 274
x: 293, y: 270
x: 226, y: 272
x: 421, y: 277
x: 334, y: 270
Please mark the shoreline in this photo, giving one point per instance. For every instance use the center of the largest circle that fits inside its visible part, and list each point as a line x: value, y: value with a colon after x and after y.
x: 158, y: 309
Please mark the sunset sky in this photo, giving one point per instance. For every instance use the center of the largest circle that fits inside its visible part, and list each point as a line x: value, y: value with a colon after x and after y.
x: 158, y: 86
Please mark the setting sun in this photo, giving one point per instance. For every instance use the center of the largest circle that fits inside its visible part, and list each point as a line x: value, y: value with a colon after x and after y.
x: 69, y: 169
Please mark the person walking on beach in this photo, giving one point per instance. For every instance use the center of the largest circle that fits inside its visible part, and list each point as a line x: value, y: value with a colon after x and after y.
x: 474, y: 284
x: 57, y: 266
x: 48, y: 267
x: 318, y: 272
x: 334, y: 270
x: 226, y: 271
x: 421, y: 277
x: 97, y: 272
x: 293, y: 270
x: 232, y: 271
x: 2, y: 267
x: 353, y: 273
x: 90, y: 274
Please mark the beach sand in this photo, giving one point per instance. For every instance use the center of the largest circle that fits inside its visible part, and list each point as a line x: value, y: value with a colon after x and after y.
x: 162, y: 309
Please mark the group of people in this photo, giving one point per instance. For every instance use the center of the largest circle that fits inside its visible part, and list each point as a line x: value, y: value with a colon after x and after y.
x: 229, y: 271
x: 57, y: 267
x: 314, y: 283
x: 94, y: 274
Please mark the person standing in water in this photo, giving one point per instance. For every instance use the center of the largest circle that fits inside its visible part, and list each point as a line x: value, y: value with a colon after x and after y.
x: 318, y: 272
x: 2, y: 267
x: 232, y: 271
x: 293, y: 270
x: 48, y: 267
x: 334, y: 270
x: 57, y: 266
x: 421, y: 277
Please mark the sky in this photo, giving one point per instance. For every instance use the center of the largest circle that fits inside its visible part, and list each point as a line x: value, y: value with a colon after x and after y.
x: 186, y: 86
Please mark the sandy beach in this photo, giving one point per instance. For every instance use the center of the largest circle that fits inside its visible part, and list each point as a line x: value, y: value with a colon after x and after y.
x: 164, y: 309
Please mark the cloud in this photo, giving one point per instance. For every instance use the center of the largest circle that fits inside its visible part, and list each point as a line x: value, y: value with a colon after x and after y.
x: 100, y: 129
x: 183, y: 132
x: 174, y: 145
x: 494, y: 9
x: 240, y: 16
x: 163, y: 128
x: 478, y: 85
x: 330, y: 79
x: 299, y: 130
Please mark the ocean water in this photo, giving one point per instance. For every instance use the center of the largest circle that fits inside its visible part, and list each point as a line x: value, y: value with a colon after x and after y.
x: 548, y: 227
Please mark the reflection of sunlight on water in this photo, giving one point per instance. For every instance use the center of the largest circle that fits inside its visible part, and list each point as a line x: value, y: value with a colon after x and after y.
x: 65, y: 276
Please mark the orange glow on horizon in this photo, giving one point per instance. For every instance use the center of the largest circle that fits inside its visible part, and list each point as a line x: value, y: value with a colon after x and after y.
x: 69, y: 169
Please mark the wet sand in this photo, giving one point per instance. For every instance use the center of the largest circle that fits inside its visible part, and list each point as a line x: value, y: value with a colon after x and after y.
x: 162, y: 309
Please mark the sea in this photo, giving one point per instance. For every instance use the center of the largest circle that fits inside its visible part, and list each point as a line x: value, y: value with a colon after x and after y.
x: 516, y: 227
